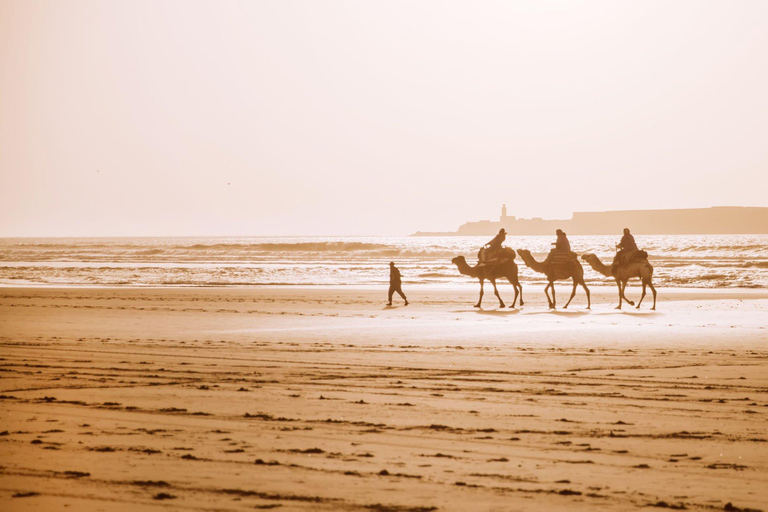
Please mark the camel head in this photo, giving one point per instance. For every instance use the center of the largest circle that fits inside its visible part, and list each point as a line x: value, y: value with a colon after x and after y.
x: 593, y: 261
x: 525, y: 254
x: 459, y: 260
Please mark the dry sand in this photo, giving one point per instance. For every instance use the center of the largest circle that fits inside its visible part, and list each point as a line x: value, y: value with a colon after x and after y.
x: 323, y: 399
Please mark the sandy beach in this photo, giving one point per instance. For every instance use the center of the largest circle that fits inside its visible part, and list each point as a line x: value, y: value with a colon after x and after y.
x: 206, y: 205
x: 322, y: 398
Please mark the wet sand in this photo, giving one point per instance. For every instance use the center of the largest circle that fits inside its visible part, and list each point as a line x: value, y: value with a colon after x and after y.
x: 295, y: 398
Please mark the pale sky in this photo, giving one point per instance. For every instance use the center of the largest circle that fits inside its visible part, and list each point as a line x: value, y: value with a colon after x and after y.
x: 360, y: 117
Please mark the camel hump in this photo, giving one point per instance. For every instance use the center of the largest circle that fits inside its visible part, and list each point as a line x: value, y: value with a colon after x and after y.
x: 636, y: 257
x: 507, y: 253
x: 502, y: 254
x: 562, y: 258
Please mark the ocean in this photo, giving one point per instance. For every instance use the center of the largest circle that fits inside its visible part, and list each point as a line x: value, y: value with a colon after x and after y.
x: 701, y: 261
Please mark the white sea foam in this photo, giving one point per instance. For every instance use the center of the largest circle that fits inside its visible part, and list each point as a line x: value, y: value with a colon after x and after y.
x: 679, y: 260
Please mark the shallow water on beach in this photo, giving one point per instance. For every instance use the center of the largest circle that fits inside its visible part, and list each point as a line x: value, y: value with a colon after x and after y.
x: 707, y: 261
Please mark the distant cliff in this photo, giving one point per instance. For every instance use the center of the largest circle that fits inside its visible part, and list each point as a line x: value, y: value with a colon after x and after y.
x: 695, y: 221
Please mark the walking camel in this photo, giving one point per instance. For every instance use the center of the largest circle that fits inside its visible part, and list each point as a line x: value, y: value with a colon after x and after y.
x: 639, y: 268
x: 557, y: 272
x: 503, y: 269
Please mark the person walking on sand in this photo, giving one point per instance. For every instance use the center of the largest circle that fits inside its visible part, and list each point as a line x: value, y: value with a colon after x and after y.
x: 395, y: 284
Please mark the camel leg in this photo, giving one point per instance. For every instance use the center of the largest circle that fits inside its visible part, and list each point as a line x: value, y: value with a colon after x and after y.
x: 521, y: 294
x: 624, y: 293
x: 654, y: 295
x: 586, y: 290
x: 480, y: 300
x: 496, y: 291
x: 546, y: 292
x: 514, y: 285
x: 642, y: 296
x: 573, y: 294
x: 554, y: 300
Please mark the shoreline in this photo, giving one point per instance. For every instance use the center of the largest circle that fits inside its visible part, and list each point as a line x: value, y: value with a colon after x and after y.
x: 430, y: 287
x: 702, y: 261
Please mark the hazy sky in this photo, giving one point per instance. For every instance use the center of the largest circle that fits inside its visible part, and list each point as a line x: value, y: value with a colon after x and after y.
x: 362, y: 117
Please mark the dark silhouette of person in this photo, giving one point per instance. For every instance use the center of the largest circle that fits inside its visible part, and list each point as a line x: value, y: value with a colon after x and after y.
x: 627, y: 242
x: 626, y: 247
x: 562, y: 246
x: 495, y: 244
x: 491, y: 249
x: 395, y: 283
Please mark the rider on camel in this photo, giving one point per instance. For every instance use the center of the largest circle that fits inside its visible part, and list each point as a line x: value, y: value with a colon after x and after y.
x: 627, y: 247
x: 562, y: 246
x: 490, y: 250
x: 495, y: 244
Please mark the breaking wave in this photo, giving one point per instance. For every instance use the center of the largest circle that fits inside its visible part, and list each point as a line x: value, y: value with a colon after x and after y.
x: 678, y: 260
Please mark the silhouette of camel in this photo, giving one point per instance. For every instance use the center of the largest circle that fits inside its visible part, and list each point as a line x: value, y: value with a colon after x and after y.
x: 557, y: 272
x: 623, y: 273
x: 504, y: 269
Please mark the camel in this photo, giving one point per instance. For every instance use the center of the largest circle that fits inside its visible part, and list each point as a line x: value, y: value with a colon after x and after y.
x: 492, y: 271
x: 557, y: 272
x: 623, y: 273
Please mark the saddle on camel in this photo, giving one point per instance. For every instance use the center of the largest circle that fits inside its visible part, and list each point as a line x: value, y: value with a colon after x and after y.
x: 493, y: 252
x: 561, y: 254
x: 627, y: 252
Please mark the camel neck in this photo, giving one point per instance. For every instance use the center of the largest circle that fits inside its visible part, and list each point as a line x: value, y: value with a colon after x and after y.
x: 465, y: 269
x: 599, y: 266
x: 533, y: 264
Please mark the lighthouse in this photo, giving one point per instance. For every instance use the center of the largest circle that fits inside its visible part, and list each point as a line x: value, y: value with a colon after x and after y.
x: 503, y: 212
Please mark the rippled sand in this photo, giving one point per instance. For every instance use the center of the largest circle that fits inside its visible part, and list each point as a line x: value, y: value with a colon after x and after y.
x: 323, y: 399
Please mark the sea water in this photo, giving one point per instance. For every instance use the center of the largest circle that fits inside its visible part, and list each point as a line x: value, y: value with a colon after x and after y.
x: 707, y: 261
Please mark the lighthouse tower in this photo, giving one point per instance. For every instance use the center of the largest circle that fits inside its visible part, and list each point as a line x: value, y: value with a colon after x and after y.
x: 503, y: 212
